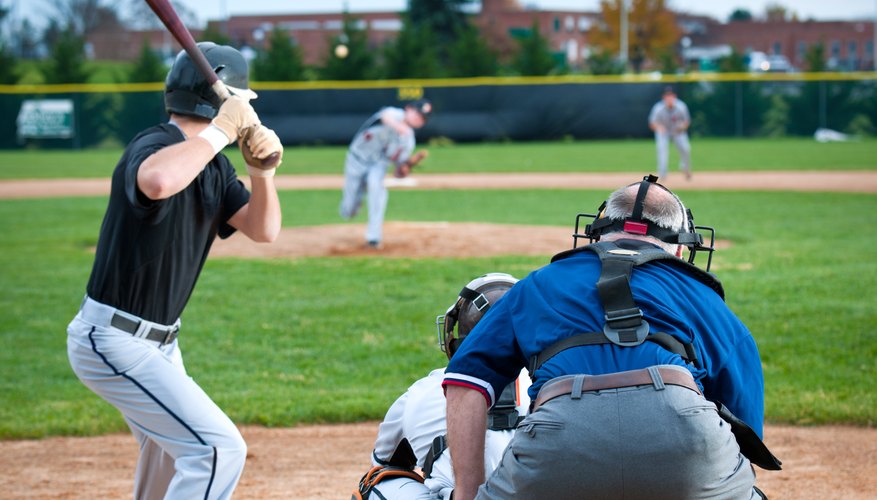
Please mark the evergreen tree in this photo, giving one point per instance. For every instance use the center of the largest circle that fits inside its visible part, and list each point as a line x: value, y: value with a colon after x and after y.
x: 603, y: 62
x: 8, y: 66
x: 534, y: 57
x: 470, y: 56
x: 149, y: 67
x: 815, y: 58
x: 281, y: 61
x: 67, y: 62
x: 413, y: 54
x: 444, y: 17
x: 358, y: 63
x: 215, y: 34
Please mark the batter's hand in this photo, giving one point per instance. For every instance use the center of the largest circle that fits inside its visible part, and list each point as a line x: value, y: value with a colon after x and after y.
x: 404, y: 169
x: 234, y: 117
x: 257, y: 144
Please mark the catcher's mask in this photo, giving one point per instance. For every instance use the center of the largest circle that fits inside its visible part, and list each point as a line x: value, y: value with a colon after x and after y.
x: 688, y: 236
x: 186, y: 91
x: 473, y: 302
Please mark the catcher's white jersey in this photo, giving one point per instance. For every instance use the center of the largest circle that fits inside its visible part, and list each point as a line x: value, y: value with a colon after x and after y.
x: 419, y: 416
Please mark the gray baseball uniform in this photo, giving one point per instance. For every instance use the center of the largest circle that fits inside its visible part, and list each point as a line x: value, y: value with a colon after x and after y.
x: 674, y: 122
x: 374, y: 147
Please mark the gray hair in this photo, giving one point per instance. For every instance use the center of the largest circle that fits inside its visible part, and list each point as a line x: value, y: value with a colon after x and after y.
x: 661, y: 207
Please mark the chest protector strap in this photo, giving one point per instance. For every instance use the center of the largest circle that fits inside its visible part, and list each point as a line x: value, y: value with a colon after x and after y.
x: 503, y: 415
x: 625, y: 325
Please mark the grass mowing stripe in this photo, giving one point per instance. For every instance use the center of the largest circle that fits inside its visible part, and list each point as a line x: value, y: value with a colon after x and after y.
x: 635, y: 155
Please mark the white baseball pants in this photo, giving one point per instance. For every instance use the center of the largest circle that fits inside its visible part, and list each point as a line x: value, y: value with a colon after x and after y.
x: 189, y: 448
x: 662, y: 145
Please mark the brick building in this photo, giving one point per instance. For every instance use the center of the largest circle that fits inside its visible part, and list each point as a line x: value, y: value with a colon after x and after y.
x: 849, y: 45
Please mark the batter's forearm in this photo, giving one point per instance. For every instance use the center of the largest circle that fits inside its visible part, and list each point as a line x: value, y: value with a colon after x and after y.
x: 263, y: 218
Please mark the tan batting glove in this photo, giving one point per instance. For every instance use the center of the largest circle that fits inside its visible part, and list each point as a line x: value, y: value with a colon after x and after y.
x: 234, y: 116
x: 262, y: 151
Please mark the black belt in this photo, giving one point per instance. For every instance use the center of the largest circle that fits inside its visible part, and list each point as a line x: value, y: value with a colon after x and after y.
x: 163, y: 336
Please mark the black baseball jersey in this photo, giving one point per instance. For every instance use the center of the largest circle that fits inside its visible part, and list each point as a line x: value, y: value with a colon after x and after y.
x: 150, y: 252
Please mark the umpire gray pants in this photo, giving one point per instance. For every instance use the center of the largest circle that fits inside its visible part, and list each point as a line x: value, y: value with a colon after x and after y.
x: 630, y: 443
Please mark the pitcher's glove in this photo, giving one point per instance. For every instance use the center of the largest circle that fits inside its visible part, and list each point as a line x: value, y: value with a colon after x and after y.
x: 404, y: 169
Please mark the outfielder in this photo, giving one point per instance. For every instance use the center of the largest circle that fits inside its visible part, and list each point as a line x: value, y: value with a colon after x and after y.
x: 413, y: 430
x: 173, y: 192
x: 669, y: 119
x: 637, y: 367
x: 386, y: 138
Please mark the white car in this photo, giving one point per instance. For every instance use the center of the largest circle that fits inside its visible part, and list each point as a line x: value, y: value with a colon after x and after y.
x: 760, y: 62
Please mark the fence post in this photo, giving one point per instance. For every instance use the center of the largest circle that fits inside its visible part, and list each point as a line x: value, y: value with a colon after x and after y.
x: 738, y: 108
x: 823, y: 104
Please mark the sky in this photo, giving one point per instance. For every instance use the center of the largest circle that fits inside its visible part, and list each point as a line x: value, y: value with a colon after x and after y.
x: 720, y: 9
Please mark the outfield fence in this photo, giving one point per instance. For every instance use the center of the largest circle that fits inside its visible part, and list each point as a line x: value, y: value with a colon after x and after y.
x: 487, y: 109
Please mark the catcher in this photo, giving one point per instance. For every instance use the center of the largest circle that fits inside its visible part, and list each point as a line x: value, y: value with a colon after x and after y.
x: 386, y: 138
x: 413, y: 430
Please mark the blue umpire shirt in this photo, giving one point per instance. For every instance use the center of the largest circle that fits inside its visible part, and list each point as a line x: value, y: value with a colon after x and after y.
x: 561, y: 300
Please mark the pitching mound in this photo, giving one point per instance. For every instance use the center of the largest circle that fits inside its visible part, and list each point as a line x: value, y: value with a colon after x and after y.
x: 404, y: 239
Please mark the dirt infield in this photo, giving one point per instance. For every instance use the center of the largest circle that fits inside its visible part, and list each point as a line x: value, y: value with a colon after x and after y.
x: 837, y: 181
x: 327, y: 461
x: 315, y: 462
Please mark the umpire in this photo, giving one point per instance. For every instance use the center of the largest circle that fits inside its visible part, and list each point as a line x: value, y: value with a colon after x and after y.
x: 173, y: 192
x: 628, y: 346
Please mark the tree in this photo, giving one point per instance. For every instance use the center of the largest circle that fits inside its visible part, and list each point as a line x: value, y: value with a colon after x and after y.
x: 149, y: 67
x: 215, y: 34
x: 444, y: 18
x: 413, y: 54
x: 84, y: 17
x: 281, y: 61
x: 734, y: 62
x: 740, y: 15
x: 67, y: 62
x: 651, y: 28
x: 534, y: 57
x: 603, y: 62
x: 470, y: 56
x: 357, y: 63
x: 815, y: 58
x: 8, y: 65
x: 775, y: 12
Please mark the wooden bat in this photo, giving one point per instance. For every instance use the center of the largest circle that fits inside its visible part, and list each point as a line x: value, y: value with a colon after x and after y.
x: 165, y: 11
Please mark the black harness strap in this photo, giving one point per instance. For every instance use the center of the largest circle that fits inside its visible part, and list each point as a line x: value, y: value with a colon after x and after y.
x: 439, y: 445
x: 684, y: 350
x: 503, y: 415
x: 625, y: 325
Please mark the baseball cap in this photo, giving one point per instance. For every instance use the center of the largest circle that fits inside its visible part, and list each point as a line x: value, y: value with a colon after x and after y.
x: 422, y: 106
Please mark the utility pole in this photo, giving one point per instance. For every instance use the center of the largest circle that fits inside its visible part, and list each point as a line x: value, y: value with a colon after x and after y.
x: 622, y: 46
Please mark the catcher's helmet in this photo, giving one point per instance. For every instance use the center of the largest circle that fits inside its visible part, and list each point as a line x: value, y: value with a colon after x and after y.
x: 472, y: 303
x: 186, y: 91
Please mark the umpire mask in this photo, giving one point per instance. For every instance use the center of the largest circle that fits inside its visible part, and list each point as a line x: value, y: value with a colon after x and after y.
x: 472, y: 303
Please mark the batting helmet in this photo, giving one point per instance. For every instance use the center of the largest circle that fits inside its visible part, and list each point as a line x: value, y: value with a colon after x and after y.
x: 186, y: 91
x: 472, y: 303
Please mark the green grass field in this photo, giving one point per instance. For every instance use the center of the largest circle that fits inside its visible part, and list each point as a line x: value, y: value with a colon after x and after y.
x: 289, y: 341
x: 580, y: 156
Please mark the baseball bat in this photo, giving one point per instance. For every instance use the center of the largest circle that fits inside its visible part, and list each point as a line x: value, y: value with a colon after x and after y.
x: 171, y: 20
